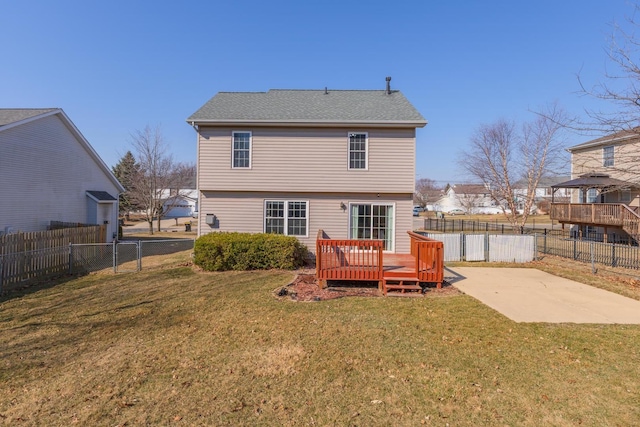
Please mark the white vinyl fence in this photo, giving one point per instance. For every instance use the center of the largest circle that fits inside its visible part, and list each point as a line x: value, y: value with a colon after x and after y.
x: 487, y: 247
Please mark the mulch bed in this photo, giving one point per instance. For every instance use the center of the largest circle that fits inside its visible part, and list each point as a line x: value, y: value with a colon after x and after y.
x: 305, y: 288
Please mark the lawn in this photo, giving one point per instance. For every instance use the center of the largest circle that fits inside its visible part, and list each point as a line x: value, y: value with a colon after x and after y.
x: 174, y: 346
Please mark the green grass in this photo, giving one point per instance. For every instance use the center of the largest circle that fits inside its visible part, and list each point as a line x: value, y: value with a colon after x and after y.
x: 173, y: 346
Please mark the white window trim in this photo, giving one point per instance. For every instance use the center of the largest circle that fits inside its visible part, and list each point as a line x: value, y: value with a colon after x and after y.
x: 613, y: 156
x: 233, y: 136
x: 366, y: 147
x: 286, y: 216
x: 395, y: 215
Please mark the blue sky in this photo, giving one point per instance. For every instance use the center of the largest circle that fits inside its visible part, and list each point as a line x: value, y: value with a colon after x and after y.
x: 117, y: 66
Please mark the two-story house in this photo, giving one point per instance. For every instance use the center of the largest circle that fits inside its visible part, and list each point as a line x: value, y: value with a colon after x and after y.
x: 296, y: 161
x: 606, y: 187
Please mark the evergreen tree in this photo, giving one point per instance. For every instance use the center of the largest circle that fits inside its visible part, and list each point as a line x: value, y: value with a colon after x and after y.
x: 125, y: 171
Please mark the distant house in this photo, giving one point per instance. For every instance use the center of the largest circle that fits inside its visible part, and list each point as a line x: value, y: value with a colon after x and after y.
x: 605, y: 186
x: 50, y: 172
x: 471, y: 198
x: 297, y: 161
x: 544, y: 193
x: 181, y: 203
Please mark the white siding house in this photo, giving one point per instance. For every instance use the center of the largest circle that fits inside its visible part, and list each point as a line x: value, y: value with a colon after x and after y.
x: 297, y: 161
x: 50, y: 172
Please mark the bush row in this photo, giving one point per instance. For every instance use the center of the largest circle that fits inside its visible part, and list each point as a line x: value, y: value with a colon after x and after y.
x: 245, y: 251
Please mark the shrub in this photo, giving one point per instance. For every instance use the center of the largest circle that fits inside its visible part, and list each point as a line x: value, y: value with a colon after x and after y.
x: 245, y: 251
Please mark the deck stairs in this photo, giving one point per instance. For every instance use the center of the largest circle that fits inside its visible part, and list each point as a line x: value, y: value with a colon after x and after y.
x: 401, y: 283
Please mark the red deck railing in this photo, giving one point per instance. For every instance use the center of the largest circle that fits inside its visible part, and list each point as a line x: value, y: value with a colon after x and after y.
x: 429, y: 256
x: 350, y: 259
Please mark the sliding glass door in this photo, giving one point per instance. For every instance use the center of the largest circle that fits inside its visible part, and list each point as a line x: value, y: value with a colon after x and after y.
x: 372, y: 221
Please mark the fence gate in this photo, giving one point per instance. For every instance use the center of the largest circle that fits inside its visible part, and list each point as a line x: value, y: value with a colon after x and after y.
x: 126, y: 257
x: 474, y: 245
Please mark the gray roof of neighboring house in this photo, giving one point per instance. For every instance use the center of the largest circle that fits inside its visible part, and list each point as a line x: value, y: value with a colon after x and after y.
x: 101, y: 196
x: 309, y: 106
x: 12, y: 115
x: 608, y: 139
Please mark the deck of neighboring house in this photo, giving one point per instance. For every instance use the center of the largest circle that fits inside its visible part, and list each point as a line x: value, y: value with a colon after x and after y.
x: 606, y: 215
x: 365, y: 260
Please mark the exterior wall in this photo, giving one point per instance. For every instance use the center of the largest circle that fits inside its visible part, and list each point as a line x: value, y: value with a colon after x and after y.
x: 45, y: 173
x: 244, y: 212
x: 626, y: 167
x: 307, y: 160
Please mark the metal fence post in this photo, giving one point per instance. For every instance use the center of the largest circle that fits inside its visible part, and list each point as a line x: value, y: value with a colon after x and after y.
x: 575, y: 249
x: 535, y: 247
x: 70, y: 258
x: 1, y: 272
x: 613, y: 255
x: 545, y: 241
x: 139, y: 251
x: 115, y: 257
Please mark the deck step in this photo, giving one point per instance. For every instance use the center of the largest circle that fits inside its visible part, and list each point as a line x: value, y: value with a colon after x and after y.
x: 400, y: 274
x: 409, y: 285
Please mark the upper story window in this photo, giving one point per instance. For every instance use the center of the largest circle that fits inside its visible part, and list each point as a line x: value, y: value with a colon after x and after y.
x: 607, y: 156
x: 241, y: 153
x: 358, y: 144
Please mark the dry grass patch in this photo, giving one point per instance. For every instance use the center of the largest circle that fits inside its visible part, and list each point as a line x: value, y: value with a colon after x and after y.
x: 174, y: 346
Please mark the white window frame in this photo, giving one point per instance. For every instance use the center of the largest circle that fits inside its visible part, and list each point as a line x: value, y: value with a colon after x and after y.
x: 233, y: 151
x: 286, y: 216
x: 395, y: 214
x: 366, y: 153
x: 608, y: 158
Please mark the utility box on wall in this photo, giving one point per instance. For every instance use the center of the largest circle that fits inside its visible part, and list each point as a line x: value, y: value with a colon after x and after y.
x: 210, y: 219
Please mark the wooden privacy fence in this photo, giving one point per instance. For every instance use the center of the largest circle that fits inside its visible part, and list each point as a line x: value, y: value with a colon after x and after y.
x: 25, y: 256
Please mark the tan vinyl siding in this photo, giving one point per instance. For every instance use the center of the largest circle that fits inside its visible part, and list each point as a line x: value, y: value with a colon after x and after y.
x: 244, y: 212
x: 626, y: 167
x: 45, y: 173
x: 307, y: 160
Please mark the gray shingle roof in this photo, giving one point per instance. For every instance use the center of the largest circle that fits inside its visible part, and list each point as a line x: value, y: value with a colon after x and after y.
x: 12, y: 115
x: 309, y: 106
x: 101, y: 196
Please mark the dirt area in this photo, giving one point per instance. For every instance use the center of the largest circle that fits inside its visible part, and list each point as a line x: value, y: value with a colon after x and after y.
x: 305, y: 288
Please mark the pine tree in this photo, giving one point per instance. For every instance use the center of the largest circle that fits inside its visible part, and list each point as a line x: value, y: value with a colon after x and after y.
x: 125, y: 171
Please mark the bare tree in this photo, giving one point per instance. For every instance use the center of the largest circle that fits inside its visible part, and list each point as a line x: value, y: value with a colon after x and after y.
x: 502, y: 153
x: 620, y: 90
x: 427, y: 192
x: 156, y: 174
x: 618, y: 113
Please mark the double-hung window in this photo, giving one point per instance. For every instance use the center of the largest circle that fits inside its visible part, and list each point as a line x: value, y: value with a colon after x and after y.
x: 358, y: 147
x: 607, y: 156
x: 241, y: 150
x: 287, y: 217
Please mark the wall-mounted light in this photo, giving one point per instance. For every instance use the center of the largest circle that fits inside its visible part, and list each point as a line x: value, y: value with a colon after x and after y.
x: 343, y: 206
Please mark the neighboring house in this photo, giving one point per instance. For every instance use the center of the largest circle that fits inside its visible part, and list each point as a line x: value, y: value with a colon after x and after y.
x: 50, y: 172
x: 471, y: 198
x: 544, y: 192
x: 298, y: 161
x: 180, y: 203
x: 605, y: 187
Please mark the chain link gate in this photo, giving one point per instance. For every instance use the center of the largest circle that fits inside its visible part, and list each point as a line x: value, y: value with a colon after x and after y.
x: 126, y: 258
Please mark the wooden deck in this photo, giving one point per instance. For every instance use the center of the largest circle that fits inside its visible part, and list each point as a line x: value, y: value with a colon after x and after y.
x: 617, y: 215
x: 365, y: 260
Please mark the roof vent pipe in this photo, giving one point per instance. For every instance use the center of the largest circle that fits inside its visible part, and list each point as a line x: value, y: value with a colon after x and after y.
x: 388, y: 79
x: 326, y: 92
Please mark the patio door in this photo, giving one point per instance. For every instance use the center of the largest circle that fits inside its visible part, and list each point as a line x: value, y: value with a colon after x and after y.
x: 372, y: 221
